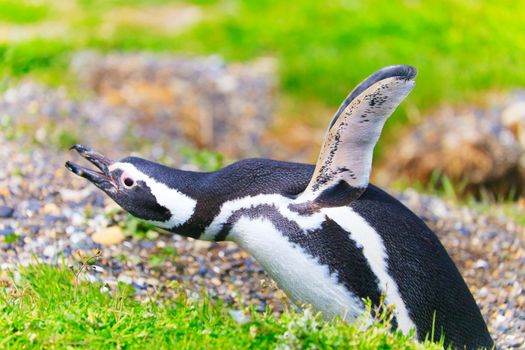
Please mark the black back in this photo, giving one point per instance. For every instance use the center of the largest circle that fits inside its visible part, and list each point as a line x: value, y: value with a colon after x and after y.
x: 427, y: 278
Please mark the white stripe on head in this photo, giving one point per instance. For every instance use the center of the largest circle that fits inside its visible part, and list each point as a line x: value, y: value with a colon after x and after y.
x: 374, y: 251
x: 180, y: 205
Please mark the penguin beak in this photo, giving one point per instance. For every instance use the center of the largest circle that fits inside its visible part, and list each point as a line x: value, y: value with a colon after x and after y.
x: 102, y: 179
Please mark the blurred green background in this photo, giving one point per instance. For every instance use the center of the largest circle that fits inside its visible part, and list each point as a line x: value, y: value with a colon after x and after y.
x: 463, y: 49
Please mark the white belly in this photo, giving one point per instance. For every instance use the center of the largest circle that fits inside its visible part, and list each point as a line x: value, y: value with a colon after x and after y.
x: 297, y: 273
x: 300, y: 276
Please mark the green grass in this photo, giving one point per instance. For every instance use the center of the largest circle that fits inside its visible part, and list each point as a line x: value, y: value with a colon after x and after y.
x: 98, y: 5
x: 16, y: 11
x: 36, y: 55
x: 44, y: 309
x: 324, y: 48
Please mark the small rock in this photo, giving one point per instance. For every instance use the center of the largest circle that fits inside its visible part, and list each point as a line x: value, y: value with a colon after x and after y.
x: 481, y: 264
x: 6, y: 231
x: 6, y: 212
x: 51, y: 209
x: 50, y: 251
x: 201, y: 245
x: 152, y: 281
x: 77, y: 237
x: 138, y: 286
x: 74, y: 195
x: 77, y: 219
x: 33, y: 229
x: 146, y: 244
x: 125, y: 279
x: 141, y: 282
x: 239, y: 316
x: 33, y: 206
x: 97, y: 268
x: 108, y: 236
x: 52, y: 219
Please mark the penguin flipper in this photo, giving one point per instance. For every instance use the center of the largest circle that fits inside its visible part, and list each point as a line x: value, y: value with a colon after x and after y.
x: 343, y: 169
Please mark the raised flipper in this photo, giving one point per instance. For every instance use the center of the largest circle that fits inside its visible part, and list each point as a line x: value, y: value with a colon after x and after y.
x: 343, y: 169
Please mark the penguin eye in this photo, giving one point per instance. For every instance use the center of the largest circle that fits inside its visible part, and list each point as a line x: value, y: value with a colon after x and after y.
x: 127, y: 181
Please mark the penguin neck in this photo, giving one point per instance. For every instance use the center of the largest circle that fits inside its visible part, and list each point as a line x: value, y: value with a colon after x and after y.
x: 246, y: 179
x: 190, y: 183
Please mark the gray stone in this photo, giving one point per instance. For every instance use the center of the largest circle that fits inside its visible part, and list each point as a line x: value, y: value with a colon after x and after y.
x: 6, y: 212
x: 8, y: 230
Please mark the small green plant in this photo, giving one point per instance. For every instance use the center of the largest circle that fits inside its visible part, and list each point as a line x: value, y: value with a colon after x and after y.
x: 11, y: 238
x: 11, y: 130
x: 158, y: 258
x: 83, y: 263
x: 63, y: 139
x: 139, y: 229
x: 205, y: 160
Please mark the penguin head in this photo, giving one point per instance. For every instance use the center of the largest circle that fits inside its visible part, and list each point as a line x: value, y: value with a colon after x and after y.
x: 144, y: 189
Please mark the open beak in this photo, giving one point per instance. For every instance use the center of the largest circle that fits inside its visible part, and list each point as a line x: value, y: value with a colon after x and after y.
x: 102, y: 179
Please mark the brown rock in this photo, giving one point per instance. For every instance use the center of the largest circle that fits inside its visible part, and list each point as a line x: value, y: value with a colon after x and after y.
x: 478, y: 150
x: 109, y: 236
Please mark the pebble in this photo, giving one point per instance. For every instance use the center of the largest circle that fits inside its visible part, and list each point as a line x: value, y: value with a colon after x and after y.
x: 8, y: 230
x: 52, y: 219
x: 109, y: 236
x: 97, y: 268
x: 125, y: 279
x: 239, y: 316
x: 51, y: 209
x: 50, y: 251
x: 74, y: 195
x: 481, y: 264
x: 6, y: 212
x: 77, y: 237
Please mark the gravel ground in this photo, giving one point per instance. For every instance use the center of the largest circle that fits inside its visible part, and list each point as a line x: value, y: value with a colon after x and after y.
x: 49, y: 214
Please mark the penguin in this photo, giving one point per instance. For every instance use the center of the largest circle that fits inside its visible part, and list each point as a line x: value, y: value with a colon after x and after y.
x: 326, y: 235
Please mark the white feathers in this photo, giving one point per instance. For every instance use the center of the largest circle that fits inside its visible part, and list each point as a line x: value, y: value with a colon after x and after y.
x: 374, y: 251
x: 301, y: 277
x: 180, y: 205
x: 228, y: 208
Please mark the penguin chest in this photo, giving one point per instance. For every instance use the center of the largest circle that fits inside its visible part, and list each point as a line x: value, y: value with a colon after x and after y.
x: 299, y: 274
x: 331, y: 259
